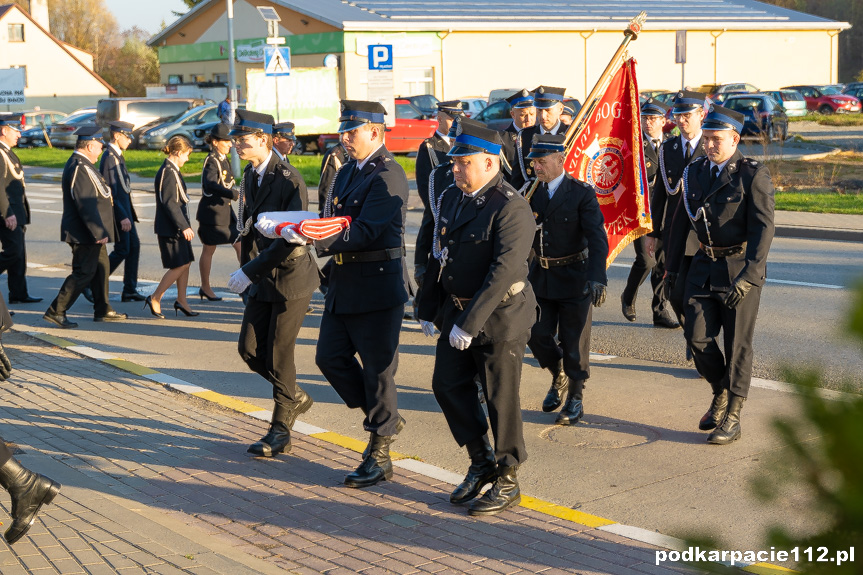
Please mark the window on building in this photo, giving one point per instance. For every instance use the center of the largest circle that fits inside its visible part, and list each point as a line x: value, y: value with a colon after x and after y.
x: 220, y: 78
x: 417, y: 81
x: 16, y: 32
x: 175, y: 79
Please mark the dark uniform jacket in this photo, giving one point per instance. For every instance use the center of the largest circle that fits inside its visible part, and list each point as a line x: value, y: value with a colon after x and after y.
x: 662, y: 205
x: 509, y: 137
x: 88, y: 213
x: 567, y: 224
x: 13, y: 201
x: 522, y: 169
x: 442, y: 178
x: 376, y: 199
x: 651, y: 162
x: 172, y: 213
x: 488, y: 245
x: 432, y: 152
x: 332, y: 162
x: 112, y: 166
x: 739, y: 209
x: 217, y: 191
x: 279, y: 271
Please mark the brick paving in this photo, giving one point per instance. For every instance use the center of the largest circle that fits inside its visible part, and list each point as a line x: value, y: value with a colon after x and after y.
x: 159, y: 482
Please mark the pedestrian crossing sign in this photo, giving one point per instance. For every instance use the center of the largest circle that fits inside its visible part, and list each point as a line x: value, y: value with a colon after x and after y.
x: 277, y: 61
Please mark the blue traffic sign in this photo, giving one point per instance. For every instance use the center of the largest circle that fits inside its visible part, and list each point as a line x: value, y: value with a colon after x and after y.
x: 381, y: 57
x: 277, y: 61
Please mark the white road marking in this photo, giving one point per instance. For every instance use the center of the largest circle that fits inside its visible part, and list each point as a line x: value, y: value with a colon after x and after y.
x: 769, y: 280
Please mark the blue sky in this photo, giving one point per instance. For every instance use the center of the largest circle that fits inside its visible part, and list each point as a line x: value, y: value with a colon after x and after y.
x: 146, y: 14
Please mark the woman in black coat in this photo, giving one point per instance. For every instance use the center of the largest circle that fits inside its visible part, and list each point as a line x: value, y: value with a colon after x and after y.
x: 217, y: 223
x: 173, y: 227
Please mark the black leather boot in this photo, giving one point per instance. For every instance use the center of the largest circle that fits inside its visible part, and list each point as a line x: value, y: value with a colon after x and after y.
x: 482, y: 470
x: 278, y: 437
x: 572, y: 410
x: 504, y: 493
x: 29, y: 492
x: 399, y: 428
x: 377, y: 465
x: 558, y: 389
x: 729, y: 430
x: 716, y: 412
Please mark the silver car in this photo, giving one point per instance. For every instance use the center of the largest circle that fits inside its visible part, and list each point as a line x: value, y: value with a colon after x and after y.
x: 183, y: 125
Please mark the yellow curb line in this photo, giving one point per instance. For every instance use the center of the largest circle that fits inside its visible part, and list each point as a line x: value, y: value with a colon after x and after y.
x: 226, y: 401
x: 130, y: 367
x: 350, y: 443
x: 767, y: 569
x: 562, y: 512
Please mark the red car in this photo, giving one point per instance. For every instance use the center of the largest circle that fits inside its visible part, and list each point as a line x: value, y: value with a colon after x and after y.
x: 827, y: 100
x: 412, y: 127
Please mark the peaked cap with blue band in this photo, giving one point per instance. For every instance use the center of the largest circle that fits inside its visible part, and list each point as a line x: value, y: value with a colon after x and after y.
x: 355, y: 113
x: 284, y: 130
x: 474, y: 137
x: 88, y: 133
x: 720, y: 118
x: 686, y: 101
x: 121, y: 127
x: 11, y: 120
x: 546, y: 144
x: 547, y: 96
x: 451, y: 107
x: 521, y: 99
x: 249, y: 122
x: 654, y: 108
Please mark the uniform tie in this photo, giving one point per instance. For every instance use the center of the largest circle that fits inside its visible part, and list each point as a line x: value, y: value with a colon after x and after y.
x: 687, y: 152
x: 655, y: 144
x: 461, y: 204
x: 714, y: 175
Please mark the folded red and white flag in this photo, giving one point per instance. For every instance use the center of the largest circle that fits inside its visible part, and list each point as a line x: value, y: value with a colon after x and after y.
x: 273, y: 224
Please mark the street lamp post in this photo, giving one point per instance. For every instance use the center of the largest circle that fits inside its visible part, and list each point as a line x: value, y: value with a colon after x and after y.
x: 232, y: 80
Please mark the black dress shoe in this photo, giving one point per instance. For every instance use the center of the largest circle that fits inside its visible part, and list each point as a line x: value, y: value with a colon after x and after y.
x: 627, y: 309
x: 88, y: 295
x: 482, y: 471
x: 376, y: 467
x: 503, y: 494
x: 572, y: 411
x: 665, y: 320
x: 716, y: 412
x: 26, y: 299
x: 557, y: 391
x: 730, y: 429
x: 110, y: 316
x: 29, y: 492
x: 59, y: 319
x: 131, y: 297
x: 277, y: 440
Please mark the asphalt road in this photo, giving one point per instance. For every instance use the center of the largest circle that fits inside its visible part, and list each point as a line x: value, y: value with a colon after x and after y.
x: 803, y: 306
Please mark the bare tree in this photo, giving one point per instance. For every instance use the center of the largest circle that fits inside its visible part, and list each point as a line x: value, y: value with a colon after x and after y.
x: 86, y: 24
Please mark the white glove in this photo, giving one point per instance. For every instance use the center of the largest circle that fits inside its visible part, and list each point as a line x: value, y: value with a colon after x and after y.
x: 239, y: 281
x: 267, y: 226
x: 428, y: 328
x: 459, y: 339
x: 292, y: 236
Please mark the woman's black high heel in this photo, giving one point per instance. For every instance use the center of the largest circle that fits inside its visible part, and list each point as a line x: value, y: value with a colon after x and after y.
x: 188, y: 313
x: 204, y: 295
x: 148, y: 303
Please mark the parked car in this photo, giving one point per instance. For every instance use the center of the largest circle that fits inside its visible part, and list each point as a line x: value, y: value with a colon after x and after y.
x: 33, y: 118
x: 62, y: 133
x: 183, y: 125
x: 473, y: 106
x: 497, y: 117
x: 646, y: 94
x: 791, y: 100
x: 764, y: 117
x: 855, y: 92
x: 426, y: 103
x: 852, y: 86
x: 826, y: 100
x: 143, y: 113
x: 32, y: 138
x: 501, y: 94
x: 718, y: 92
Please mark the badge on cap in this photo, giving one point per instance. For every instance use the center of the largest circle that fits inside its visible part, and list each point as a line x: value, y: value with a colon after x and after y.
x: 680, y: 94
x: 458, y: 129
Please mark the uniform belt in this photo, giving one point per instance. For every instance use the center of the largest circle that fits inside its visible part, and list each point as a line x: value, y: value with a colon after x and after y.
x: 546, y: 263
x: 714, y: 252
x: 461, y: 302
x: 362, y: 257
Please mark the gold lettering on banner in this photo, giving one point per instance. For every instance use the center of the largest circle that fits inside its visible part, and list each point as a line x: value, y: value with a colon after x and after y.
x: 621, y: 223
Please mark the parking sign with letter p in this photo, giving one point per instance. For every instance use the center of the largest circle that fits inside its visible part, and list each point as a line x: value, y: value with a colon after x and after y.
x: 380, y: 57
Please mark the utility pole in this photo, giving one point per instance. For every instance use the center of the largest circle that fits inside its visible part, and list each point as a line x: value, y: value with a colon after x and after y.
x: 232, y: 81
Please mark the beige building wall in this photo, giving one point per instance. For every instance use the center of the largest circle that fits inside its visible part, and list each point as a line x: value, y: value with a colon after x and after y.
x: 54, y: 79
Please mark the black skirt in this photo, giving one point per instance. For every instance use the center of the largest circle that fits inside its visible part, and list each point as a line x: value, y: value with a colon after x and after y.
x: 175, y: 251
x: 218, y: 235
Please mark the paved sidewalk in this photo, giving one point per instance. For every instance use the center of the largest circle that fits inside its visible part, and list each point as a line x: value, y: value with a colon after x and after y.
x: 159, y: 482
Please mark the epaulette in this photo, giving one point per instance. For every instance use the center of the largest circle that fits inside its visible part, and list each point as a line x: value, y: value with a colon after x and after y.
x: 751, y: 162
x: 701, y: 159
x: 286, y: 172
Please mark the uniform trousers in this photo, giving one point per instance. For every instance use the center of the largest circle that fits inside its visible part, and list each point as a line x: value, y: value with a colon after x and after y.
x: 13, y: 260
x: 677, y: 297
x: 645, y: 265
x: 499, y: 367
x: 89, y: 269
x: 127, y: 248
x: 268, y: 336
x: 705, y: 316
x: 374, y: 337
x: 569, y: 320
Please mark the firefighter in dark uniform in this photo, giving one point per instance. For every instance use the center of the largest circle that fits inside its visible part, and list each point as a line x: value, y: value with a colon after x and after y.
x: 549, y: 107
x: 523, y: 113
x: 14, y: 211
x: 332, y: 162
x: 728, y: 201
x: 674, y: 155
x: 127, y: 248
x: 650, y: 263
x: 367, y: 285
x: 87, y: 226
x: 281, y: 277
x: 431, y: 154
x: 476, y: 292
x: 567, y: 273
x: 284, y: 141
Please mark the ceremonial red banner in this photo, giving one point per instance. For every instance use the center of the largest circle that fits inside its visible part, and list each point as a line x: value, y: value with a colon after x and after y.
x: 607, y: 154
